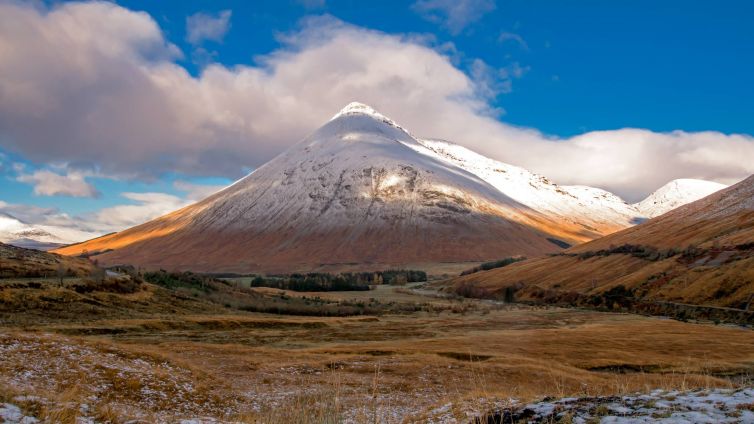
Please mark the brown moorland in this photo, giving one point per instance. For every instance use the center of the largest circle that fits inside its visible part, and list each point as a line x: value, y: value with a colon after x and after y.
x: 17, y: 262
x: 161, y: 354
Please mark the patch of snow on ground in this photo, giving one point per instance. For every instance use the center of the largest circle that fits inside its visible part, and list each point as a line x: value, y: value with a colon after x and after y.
x: 11, y: 414
x: 698, y: 406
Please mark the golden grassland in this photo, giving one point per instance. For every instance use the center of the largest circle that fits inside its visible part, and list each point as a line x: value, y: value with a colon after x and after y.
x: 158, y: 355
x: 722, y: 277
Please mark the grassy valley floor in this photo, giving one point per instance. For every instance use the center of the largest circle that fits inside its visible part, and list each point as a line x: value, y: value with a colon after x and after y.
x: 159, y: 356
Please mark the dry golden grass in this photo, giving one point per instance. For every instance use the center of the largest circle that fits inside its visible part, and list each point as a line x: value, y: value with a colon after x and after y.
x: 158, y: 358
x: 726, y: 284
x: 20, y: 262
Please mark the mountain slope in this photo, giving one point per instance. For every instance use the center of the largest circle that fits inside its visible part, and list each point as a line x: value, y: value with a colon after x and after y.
x: 358, y: 190
x: 700, y: 253
x: 595, y: 212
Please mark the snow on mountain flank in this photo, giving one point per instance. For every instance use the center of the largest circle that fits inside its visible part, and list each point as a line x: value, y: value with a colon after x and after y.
x: 674, y: 194
x: 360, y: 189
x: 596, y: 211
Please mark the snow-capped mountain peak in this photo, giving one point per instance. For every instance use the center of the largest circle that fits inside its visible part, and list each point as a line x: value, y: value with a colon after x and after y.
x: 18, y: 233
x: 356, y: 109
x: 676, y: 193
x: 359, y: 108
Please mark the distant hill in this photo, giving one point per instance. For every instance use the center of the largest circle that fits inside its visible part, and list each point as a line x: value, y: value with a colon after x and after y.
x: 20, y: 262
x: 41, y: 237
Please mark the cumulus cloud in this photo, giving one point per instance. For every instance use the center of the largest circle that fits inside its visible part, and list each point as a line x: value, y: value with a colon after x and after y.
x: 455, y: 15
x: 97, y: 85
x: 49, y: 183
x: 206, y: 26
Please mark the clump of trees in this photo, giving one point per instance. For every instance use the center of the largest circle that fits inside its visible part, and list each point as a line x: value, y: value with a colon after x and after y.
x: 648, y: 253
x: 316, y: 281
x: 493, y: 264
x: 401, y: 276
x: 187, y: 279
x: 617, y: 298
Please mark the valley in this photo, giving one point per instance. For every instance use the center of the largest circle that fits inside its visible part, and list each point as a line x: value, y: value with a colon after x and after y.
x: 406, y: 212
x: 160, y: 355
x: 366, y: 275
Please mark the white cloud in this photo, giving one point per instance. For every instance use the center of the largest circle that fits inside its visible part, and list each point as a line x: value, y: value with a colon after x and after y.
x: 143, y: 207
x: 48, y: 183
x: 202, y: 56
x: 455, y: 15
x: 50, y: 220
x: 490, y: 81
x: 205, y: 26
x: 27, y: 213
x: 97, y: 85
x: 148, y: 206
x: 509, y: 36
x: 196, y: 192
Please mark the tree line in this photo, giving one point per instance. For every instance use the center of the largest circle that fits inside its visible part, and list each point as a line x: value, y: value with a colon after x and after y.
x: 317, y: 281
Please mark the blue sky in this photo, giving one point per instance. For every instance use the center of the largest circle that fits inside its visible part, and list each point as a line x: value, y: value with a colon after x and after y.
x: 537, y: 80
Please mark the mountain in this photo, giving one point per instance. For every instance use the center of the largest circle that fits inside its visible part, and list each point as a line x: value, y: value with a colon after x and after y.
x: 699, y: 253
x: 362, y: 190
x: 674, y: 194
x: 21, y: 234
